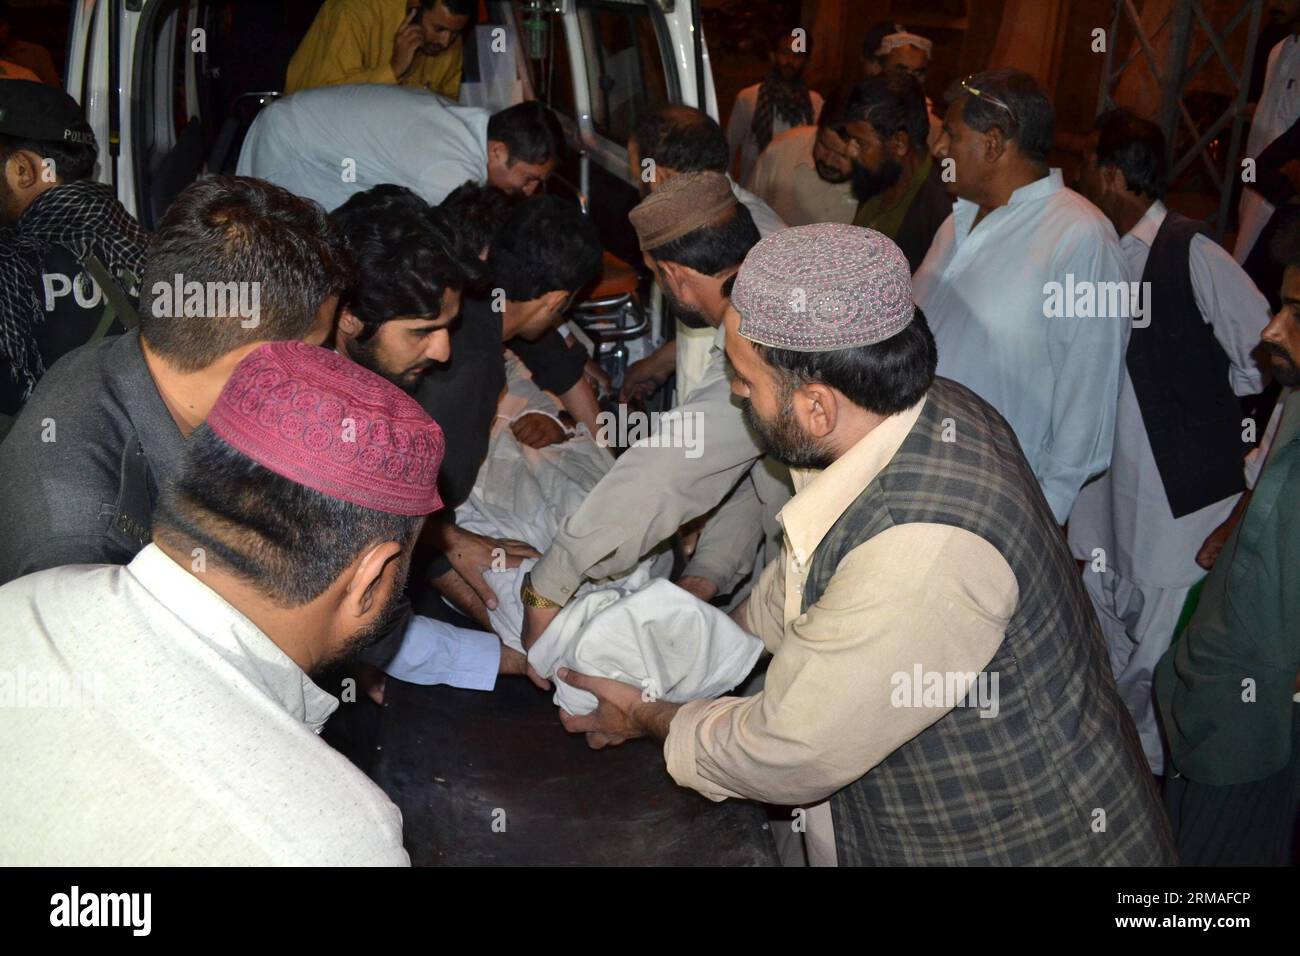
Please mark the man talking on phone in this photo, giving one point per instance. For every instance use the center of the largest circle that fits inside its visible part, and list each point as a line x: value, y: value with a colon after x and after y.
x: 407, y: 42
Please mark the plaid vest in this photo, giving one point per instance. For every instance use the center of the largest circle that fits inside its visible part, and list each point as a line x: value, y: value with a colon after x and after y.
x: 1057, y: 776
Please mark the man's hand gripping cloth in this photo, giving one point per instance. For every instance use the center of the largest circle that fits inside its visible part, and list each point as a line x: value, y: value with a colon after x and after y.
x: 647, y: 633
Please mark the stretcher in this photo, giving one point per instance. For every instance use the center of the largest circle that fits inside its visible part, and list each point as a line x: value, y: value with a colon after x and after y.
x: 494, y: 779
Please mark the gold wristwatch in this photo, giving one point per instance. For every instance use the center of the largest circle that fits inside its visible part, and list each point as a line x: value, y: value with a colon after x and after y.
x: 532, y: 599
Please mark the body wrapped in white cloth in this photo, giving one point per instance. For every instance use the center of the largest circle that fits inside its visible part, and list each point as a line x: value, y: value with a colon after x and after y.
x: 648, y: 633
x: 640, y: 629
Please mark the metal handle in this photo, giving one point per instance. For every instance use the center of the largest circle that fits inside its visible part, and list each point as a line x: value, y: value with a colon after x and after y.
x: 614, y: 333
x: 619, y: 299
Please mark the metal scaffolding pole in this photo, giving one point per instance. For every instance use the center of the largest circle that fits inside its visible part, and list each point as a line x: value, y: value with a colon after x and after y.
x: 1186, y: 20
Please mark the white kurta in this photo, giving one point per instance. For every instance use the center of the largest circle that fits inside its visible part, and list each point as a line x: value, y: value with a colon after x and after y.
x: 193, y: 742
x: 1150, y: 556
x: 1276, y: 112
x: 1055, y: 380
x: 331, y: 142
x: 1126, y: 511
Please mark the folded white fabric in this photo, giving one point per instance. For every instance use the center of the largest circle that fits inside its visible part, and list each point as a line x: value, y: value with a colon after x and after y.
x: 648, y: 633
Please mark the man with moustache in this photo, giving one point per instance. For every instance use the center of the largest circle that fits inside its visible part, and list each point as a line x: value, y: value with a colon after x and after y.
x: 805, y: 173
x: 394, y: 320
x: 400, y: 318
x: 781, y: 101
x: 542, y: 254
x: 694, y: 236
x: 410, y: 274
x: 407, y: 42
x: 905, y: 553
x: 54, y: 220
x: 1175, y: 471
x: 281, y: 547
x: 1227, y: 689
x: 670, y: 140
x: 889, y: 47
x: 330, y: 143
x: 1014, y: 230
x: 103, y: 432
x: 899, y: 186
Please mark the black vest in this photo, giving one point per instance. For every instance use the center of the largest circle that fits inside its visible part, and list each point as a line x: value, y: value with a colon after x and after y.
x: 1057, y: 776
x: 1180, y: 376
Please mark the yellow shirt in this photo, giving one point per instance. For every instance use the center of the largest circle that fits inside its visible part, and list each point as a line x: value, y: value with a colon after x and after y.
x: 351, y: 41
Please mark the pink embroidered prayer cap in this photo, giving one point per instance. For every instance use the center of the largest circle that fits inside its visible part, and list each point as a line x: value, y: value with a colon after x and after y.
x: 823, y: 287
x: 323, y: 421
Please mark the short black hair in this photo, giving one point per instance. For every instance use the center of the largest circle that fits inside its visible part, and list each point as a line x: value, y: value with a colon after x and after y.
x: 1135, y: 147
x: 381, y: 199
x: 406, y: 253
x: 289, y: 541
x: 72, y: 161
x: 1284, y: 247
x: 684, y: 139
x: 1033, y: 126
x: 892, y: 102
x: 547, y: 245
x: 530, y: 132
x: 885, y: 378
x: 225, y: 230
x: 714, y: 247
x: 476, y: 211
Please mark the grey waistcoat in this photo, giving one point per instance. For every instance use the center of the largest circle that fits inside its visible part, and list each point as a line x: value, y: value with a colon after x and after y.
x: 1057, y: 776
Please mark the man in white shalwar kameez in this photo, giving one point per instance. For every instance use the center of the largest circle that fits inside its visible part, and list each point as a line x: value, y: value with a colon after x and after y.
x: 1140, y: 558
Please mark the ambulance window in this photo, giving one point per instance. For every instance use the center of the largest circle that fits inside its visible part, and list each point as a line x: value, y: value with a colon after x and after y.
x: 558, y: 81
x: 625, y: 70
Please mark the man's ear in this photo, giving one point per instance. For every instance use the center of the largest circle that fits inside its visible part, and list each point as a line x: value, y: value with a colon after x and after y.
x: 349, y: 324
x: 676, y: 275
x: 365, y: 589
x: 553, y: 301
x: 27, y: 168
x: 817, y: 406
x: 995, y: 144
x: 498, y: 153
x: 1113, y: 180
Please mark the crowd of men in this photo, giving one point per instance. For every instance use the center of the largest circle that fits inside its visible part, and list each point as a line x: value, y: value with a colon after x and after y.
x: 960, y: 419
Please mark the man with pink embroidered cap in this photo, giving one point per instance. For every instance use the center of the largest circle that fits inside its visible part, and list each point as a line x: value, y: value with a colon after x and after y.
x: 282, y: 546
x: 938, y: 692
